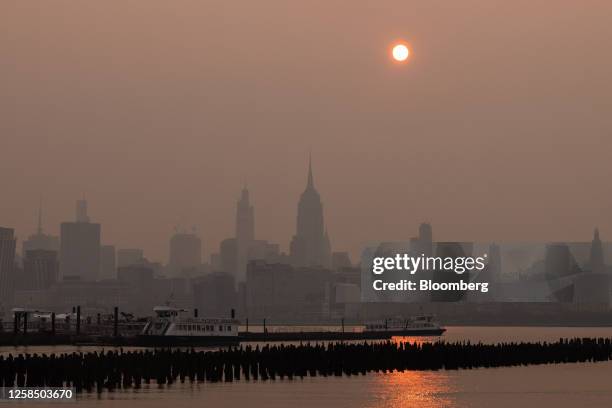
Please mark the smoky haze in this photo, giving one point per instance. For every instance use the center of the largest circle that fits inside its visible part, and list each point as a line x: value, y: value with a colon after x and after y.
x: 498, y: 128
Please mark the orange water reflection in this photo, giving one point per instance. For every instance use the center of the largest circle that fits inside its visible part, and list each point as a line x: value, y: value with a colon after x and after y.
x: 423, y: 389
x: 417, y: 339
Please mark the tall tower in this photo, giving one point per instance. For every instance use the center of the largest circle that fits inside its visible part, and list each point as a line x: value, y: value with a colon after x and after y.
x: 310, y: 245
x: 80, y: 246
x: 245, y: 218
x: 185, y: 252
x: 245, y: 233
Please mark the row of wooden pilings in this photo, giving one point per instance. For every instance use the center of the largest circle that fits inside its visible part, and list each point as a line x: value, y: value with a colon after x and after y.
x: 116, y: 369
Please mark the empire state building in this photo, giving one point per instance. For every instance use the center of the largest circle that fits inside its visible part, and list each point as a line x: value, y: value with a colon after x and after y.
x: 310, y: 245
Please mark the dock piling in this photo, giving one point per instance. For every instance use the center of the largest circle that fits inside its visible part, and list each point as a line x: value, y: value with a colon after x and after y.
x: 116, y: 322
x: 78, y: 320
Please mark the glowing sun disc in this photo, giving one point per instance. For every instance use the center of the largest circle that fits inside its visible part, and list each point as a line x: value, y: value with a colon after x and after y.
x: 400, y: 52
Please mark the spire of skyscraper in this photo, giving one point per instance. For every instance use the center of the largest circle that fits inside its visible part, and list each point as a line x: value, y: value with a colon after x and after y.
x: 310, y: 183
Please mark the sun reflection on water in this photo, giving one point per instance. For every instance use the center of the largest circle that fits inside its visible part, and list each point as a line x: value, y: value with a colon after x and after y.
x: 423, y: 389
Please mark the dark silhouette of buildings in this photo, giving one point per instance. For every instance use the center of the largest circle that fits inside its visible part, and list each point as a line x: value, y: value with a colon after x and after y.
x: 340, y: 260
x: 80, y: 246
x: 245, y: 233
x: 310, y: 245
x: 287, y: 293
x: 40, y: 270
x: 139, y: 279
x: 451, y: 250
x: 264, y: 250
x: 423, y: 243
x: 214, y: 294
x: 235, y: 253
x: 108, y: 262
x: 40, y: 240
x: 129, y: 256
x: 229, y: 256
x: 185, y: 252
x: 7, y: 265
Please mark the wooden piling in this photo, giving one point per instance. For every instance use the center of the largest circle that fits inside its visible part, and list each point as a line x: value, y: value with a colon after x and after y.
x: 116, y: 322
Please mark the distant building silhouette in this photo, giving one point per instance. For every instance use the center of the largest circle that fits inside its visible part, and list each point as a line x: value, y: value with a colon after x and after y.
x: 310, y: 245
x: 80, y: 246
x: 264, y: 250
x: 245, y: 233
x: 40, y: 270
x: 451, y: 250
x: 229, y: 257
x: 284, y: 292
x: 40, y: 240
x: 140, y: 279
x: 129, y: 256
x: 185, y: 252
x: 340, y: 260
x: 7, y: 265
x: 214, y: 295
x: 423, y: 243
x: 108, y: 262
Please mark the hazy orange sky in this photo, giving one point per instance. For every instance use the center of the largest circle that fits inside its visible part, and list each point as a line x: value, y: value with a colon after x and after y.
x: 499, y: 127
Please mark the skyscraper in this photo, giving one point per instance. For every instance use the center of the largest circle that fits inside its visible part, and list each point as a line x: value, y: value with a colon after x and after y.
x: 228, y: 252
x: 310, y: 245
x: 185, y: 252
x: 80, y: 246
x: 245, y: 233
x: 7, y: 266
x: 40, y: 269
x: 40, y: 240
x: 108, y: 262
x: 245, y: 218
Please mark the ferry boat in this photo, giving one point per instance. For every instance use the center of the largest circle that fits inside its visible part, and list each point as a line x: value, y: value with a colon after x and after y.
x: 171, y: 327
x: 425, y: 325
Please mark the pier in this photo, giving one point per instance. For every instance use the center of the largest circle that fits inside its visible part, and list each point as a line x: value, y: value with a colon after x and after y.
x: 41, y: 339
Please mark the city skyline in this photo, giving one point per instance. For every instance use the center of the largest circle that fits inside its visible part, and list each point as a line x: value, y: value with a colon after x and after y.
x: 44, y: 236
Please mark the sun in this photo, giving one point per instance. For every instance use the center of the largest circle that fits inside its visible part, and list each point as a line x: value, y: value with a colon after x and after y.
x: 400, y: 52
